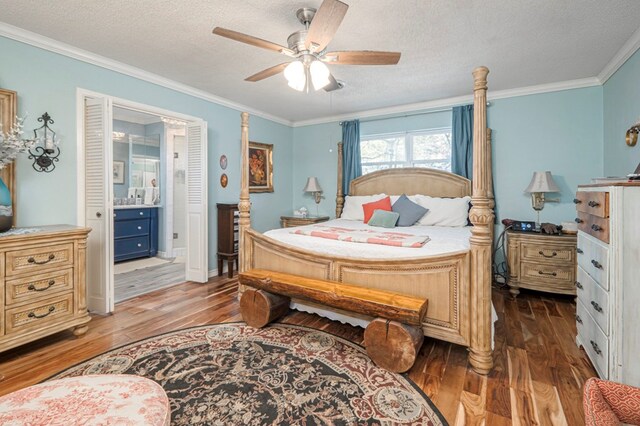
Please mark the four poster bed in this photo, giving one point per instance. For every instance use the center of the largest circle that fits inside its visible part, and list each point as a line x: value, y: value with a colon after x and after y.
x: 456, y: 282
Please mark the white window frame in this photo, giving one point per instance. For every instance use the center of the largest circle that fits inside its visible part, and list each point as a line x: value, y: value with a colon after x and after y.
x: 408, y: 138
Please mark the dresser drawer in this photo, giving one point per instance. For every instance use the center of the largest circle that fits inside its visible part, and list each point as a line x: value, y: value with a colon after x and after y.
x: 36, y: 287
x: 594, y: 225
x: 556, y: 276
x: 131, y: 228
x: 594, y: 341
x: 592, y: 202
x: 39, y: 314
x: 549, y: 253
x: 594, y: 298
x: 127, y: 214
x: 593, y: 257
x: 131, y: 245
x: 35, y: 259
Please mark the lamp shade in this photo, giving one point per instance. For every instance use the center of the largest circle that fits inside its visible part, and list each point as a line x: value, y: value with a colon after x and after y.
x: 542, y: 182
x: 312, y: 185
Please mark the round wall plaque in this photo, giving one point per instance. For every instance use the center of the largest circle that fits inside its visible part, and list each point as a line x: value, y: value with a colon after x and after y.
x: 223, y: 162
x: 224, y: 180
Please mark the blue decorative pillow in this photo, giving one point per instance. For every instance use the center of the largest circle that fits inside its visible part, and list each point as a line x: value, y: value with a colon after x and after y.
x: 409, y: 211
x: 383, y: 218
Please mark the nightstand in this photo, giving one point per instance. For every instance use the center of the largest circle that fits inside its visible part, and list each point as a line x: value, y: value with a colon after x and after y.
x: 541, y: 262
x: 290, y: 221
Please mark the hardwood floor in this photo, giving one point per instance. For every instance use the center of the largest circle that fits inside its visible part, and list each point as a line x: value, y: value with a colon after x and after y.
x: 141, y: 281
x: 538, y: 376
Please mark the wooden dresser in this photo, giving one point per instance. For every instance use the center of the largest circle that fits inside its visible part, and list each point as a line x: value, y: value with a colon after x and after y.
x: 42, y: 284
x: 227, y: 236
x: 541, y: 262
x: 290, y: 221
x: 608, y: 281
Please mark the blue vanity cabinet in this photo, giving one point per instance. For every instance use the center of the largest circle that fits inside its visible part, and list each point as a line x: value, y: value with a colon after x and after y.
x: 135, y: 231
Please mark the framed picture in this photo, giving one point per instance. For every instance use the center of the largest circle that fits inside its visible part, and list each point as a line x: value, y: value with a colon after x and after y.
x: 260, y: 167
x: 118, y: 172
x: 8, y: 111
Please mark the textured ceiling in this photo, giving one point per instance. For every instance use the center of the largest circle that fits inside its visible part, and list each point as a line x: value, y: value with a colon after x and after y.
x: 523, y: 42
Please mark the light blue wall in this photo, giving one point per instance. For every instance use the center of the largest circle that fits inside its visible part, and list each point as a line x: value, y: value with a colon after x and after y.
x: 621, y: 110
x: 46, y: 81
x: 559, y: 131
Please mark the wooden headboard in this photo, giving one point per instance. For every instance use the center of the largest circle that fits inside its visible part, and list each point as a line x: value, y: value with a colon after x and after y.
x: 411, y: 181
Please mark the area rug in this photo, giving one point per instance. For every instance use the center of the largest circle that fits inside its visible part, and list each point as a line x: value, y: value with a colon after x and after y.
x: 280, y: 375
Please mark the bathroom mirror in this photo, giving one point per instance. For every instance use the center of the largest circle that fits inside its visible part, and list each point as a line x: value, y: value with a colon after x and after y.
x: 136, y: 168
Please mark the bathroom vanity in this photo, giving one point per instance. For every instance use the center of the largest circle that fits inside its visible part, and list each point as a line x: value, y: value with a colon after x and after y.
x: 135, y: 229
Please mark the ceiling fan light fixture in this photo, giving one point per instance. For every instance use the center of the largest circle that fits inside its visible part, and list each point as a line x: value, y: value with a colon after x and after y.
x: 319, y: 74
x: 296, y: 75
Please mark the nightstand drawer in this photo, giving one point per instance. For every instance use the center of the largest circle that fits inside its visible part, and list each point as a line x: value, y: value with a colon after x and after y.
x: 593, y: 257
x: 39, y: 286
x: 38, y: 315
x: 594, y: 341
x: 594, y: 298
x: 550, y: 253
x: 39, y: 258
x: 594, y: 225
x: 553, y: 275
x: 593, y: 202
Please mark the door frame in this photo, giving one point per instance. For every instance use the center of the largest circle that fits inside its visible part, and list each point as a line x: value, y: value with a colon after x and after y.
x: 81, y: 94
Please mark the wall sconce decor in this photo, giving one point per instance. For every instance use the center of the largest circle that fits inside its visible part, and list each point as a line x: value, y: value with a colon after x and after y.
x: 632, y: 134
x: 541, y: 182
x: 45, y: 152
x: 313, y: 186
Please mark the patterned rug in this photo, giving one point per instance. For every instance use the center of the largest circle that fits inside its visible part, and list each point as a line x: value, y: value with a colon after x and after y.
x: 279, y: 375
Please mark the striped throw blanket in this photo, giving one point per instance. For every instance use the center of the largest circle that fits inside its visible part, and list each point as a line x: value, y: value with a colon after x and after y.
x: 397, y: 239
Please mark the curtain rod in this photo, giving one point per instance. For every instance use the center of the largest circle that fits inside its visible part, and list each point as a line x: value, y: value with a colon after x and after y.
x: 431, y: 111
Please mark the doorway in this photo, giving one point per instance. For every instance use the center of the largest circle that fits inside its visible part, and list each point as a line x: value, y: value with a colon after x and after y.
x: 129, y: 175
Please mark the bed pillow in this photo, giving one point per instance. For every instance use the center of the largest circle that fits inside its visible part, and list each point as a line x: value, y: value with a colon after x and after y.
x: 452, y: 212
x: 369, y: 208
x: 352, y: 209
x: 384, y: 219
x: 409, y: 211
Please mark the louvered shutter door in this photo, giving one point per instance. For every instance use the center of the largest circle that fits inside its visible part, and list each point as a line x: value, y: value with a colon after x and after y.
x: 197, y: 213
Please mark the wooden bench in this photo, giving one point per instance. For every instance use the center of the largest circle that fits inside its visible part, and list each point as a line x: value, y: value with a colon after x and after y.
x: 392, y: 339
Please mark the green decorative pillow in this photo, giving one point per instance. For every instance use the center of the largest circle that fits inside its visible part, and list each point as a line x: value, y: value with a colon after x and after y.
x: 384, y: 219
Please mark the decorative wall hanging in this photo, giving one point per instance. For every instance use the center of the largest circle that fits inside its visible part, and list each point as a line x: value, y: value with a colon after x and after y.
x: 118, y: 172
x: 223, y: 162
x: 260, y: 167
x: 632, y: 134
x: 45, y: 153
x: 224, y: 180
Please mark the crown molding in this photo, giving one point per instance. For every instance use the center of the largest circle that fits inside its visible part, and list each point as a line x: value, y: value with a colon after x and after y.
x: 46, y: 43
x: 455, y: 101
x: 627, y: 50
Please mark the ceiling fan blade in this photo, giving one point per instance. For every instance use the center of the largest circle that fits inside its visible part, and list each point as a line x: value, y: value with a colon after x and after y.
x: 269, y: 72
x: 254, y: 41
x: 333, y: 84
x: 362, y: 57
x: 325, y: 23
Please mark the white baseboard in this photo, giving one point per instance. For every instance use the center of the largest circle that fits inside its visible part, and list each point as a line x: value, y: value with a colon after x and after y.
x: 180, y: 252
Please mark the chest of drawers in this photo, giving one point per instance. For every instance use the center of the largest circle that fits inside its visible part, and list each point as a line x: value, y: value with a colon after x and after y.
x: 608, y: 282
x: 42, y: 284
x: 541, y: 262
x: 135, y: 232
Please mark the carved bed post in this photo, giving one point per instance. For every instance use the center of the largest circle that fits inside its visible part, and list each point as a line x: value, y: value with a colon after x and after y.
x: 244, y: 206
x: 481, y: 355
x: 339, y: 193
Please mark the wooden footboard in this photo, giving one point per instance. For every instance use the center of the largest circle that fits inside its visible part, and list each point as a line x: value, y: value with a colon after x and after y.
x: 443, y: 279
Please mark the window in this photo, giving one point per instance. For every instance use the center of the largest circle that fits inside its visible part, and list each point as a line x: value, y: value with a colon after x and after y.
x: 413, y: 149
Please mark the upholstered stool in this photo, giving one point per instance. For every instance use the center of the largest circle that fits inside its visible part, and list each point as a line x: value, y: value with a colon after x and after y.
x: 110, y: 399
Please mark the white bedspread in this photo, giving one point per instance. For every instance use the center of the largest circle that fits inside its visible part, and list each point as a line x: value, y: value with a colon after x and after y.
x: 443, y: 240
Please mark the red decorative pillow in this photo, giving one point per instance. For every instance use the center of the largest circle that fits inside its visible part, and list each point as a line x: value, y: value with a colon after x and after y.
x: 369, y: 208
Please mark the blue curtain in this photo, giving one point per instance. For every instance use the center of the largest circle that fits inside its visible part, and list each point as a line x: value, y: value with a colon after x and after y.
x: 351, y: 161
x: 462, y: 141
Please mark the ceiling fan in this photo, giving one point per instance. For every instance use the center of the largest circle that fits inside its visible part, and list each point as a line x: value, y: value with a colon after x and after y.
x: 308, y: 49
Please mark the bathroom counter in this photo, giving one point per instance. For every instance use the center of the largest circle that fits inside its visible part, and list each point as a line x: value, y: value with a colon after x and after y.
x: 139, y: 206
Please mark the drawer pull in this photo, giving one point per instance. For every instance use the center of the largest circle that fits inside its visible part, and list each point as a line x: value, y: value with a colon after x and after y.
x: 579, y: 319
x: 597, y: 307
x: 553, y: 274
x: 596, y: 227
x: 139, y: 245
x: 595, y: 347
x: 34, y: 288
x: 34, y: 315
x: 596, y: 263
x: 139, y: 228
x: 579, y: 285
x: 593, y: 204
x: 33, y: 260
x: 578, y: 220
x: 579, y: 250
x: 577, y: 201
x: 141, y: 213
x: 553, y: 254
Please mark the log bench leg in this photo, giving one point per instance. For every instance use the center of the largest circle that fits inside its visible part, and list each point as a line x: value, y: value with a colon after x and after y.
x: 259, y: 308
x: 392, y: 345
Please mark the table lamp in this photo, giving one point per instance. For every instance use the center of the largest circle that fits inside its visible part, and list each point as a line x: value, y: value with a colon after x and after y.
x: 313, y: 186
x: 541, y: 182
